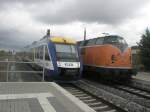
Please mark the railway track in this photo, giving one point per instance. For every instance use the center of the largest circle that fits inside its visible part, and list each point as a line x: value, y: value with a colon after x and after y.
x: 141, y: 89
x: 139, y: 92
x: 140, y: 84
x: 133, y: 95
x: 98, y: 104
x: 122, y: 99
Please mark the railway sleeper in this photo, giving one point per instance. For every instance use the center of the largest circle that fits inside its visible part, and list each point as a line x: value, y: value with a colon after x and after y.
x: 94, y: 104
x: 100, y: 107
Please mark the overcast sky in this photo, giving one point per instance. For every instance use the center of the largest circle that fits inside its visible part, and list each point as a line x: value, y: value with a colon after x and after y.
x: 24, y: 21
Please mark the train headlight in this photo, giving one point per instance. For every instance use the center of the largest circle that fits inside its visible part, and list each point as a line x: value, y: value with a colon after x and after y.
x: 113, y: 58
x: 130, y: 59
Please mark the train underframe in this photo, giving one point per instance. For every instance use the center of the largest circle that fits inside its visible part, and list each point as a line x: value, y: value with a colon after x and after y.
x: 62, y: 75
x: 68, y: 74
x: 108, y: 73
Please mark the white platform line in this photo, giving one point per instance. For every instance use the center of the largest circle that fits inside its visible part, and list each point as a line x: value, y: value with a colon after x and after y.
x: 47, y: 107
x: 75, y: 100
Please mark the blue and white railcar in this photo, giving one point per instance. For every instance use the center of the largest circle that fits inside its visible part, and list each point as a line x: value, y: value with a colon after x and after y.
x: 59, y: 56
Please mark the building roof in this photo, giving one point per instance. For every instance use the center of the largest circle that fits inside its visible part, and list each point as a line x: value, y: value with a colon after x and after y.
x: 135, y: 47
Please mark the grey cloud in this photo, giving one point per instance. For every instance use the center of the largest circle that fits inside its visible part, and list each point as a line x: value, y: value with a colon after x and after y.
x: 101, y: 11
x: 12, y: 39
x: 9, y: 3
x: 64, y: 11
x: 23, y: 1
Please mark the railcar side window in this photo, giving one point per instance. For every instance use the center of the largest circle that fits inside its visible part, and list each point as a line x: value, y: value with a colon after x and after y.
x: 31, y: 54
x: 41, y: 52
x: 91, y: 42
x: 100, y: 41
x: 36, y: 53
x: 46, y: 54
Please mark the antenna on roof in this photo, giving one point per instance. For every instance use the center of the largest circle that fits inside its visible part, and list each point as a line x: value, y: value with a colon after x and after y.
x: 84, y: 33
x: 48, y: 32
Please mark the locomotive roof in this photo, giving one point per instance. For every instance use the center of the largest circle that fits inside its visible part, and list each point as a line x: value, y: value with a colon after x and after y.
x: 97, y: 40
x: 63, y: 40
x: 55, y: 39
x: 107, y: 36
x: 102, y: 37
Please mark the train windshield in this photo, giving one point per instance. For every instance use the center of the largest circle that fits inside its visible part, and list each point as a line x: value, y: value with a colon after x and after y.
x: 116, y: 41
x: 66, y: 52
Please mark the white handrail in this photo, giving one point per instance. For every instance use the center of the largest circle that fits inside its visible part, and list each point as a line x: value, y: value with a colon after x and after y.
x: 18, y: 62
x: 20, y: 71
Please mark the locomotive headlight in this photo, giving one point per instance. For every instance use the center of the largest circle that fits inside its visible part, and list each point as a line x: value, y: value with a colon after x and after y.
x: 113, y: 58
x: 130, y: 59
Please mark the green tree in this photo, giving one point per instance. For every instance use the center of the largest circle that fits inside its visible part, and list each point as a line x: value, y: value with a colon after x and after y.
x: 144, y: 46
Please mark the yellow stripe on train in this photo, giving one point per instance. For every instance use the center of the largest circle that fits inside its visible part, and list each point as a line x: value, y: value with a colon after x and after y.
x: 63, y: 40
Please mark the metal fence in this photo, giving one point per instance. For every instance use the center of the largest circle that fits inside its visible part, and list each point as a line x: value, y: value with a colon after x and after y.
x: 7, y: 64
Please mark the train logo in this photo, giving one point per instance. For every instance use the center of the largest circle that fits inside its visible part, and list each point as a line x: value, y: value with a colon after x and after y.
x: 68, y: 64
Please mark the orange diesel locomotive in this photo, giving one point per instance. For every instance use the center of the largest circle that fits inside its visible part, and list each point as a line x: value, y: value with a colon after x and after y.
x: 109, y: 56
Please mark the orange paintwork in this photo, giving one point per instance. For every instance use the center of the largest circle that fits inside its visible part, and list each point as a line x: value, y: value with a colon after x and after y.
x: 100, y: 56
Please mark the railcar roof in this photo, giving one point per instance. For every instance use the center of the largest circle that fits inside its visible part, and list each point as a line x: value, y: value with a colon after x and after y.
x: 63, y: 40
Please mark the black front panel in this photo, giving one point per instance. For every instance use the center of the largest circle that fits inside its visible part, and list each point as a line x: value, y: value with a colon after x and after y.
x: 69, y: 73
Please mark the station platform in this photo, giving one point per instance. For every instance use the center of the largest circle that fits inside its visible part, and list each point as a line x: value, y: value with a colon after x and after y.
x: 143, y: 76
x: 38, y: 97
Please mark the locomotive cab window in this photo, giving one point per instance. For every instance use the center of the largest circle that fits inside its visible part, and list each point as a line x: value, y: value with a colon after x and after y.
x: 122, y: 41
x: 114, y: 40
x: 111, y: 40
x: 117, y: 41
x: 66, y: 52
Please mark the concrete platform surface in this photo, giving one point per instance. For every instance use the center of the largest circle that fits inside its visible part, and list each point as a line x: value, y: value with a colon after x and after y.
x: 38, y: 97
x: 143, y: 76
